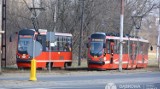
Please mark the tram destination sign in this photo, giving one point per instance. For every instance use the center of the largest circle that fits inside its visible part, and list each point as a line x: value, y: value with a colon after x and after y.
x: 93, y: 39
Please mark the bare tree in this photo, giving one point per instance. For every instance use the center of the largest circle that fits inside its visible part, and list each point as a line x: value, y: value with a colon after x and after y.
x: 99, y: 15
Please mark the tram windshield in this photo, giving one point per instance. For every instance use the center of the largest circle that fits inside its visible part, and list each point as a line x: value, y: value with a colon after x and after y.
x: 23, y: 43
x: 96, y: 48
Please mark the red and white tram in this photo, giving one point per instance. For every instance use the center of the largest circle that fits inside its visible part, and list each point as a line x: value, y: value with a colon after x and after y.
x: 57, y: 53
x: 103, y: 52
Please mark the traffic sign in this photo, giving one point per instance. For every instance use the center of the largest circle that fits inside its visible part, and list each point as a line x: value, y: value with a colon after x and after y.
x: 34, y: 48
x: 51, y: 36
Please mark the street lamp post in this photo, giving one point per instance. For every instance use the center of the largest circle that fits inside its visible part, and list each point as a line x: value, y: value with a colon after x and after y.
x: 81, y: 33
x: 158, y: 40
x: 121, y: 35
x: 1, y: 32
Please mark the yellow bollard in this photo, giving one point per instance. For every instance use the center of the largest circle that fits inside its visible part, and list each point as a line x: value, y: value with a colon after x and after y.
x: 33, y: 70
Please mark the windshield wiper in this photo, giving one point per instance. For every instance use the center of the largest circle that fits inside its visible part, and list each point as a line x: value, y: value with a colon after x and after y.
x: 99, y: 51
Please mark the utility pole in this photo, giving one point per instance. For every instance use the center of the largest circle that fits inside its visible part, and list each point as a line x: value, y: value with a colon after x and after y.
x: 81, y: 34
x: 158, y: 40
x: 55, y: 15
x: 36, y: 8
x: 3, y: 37
x: 121, y: 35
x: 0, y: 30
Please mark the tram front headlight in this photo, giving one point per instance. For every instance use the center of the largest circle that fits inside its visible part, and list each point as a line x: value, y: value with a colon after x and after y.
x: 101, y: 59
x: 104, y: 58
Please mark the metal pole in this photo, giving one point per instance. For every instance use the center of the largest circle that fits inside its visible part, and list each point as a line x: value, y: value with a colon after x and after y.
x: 3, y: 39
x: 49, y: 64
x: 0, y: 30
x: 36, y: 10
x: 121, y: 35
x: 134, y: 31
x: 81, y: 34
x: 55, y: 15
x: 157, y: 53
x: 158, y: 43
x: 33, y: 64
x: 34, y: 46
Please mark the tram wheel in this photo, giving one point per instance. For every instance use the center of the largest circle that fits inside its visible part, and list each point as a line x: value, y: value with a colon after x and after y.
x: 67, y: 64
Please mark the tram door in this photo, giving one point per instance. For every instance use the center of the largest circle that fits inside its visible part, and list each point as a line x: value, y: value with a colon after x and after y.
x: 133, y: 54
x: 111, y: 51
x: 143, y: 50
x: 114, y: 56
x: 140, y: 55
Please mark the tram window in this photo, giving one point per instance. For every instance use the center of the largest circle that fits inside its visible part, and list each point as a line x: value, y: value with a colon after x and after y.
x: 64, y: 43
x: 57, y: 43
x: 39, y: 39
x: 115, y: 46
x: 136, y: 48
x: 140, y: 47
x: 54, y: 45
x: 112, y: 46
x: 60, y: 44
x: 125, y: 47
x: 67, y: 44
x: 108, y: 46
x: 69, y: 39
x: 146, y: 48
x: 42, y: 40
x: 130, y: 47
x: 133, y: 49
x: 118, y: 46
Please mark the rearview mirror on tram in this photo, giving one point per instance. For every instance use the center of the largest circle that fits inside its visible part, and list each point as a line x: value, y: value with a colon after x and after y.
x: 151, y: 48
x: 87, y: 45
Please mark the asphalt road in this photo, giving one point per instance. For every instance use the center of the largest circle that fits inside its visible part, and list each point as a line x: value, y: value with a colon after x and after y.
x: 146, y: 80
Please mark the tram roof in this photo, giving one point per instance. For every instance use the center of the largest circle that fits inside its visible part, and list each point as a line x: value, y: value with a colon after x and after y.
x: 127, y: 38
x: 63, y: 34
